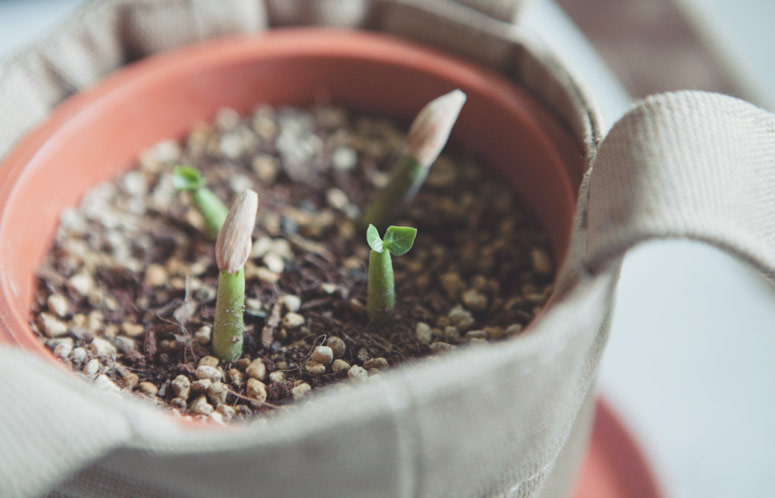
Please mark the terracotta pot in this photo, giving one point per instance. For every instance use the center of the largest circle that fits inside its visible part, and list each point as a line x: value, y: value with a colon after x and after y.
x: 98, y: 133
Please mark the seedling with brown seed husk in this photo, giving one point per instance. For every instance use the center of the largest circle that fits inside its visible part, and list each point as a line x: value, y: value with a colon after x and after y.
x: 427, y: 136
x: 231, y: 252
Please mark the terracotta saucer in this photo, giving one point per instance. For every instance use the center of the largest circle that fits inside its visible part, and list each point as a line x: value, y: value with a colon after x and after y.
x: 614, y: 466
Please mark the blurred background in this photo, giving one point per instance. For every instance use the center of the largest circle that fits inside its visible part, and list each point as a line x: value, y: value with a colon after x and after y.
x: 690, y: 366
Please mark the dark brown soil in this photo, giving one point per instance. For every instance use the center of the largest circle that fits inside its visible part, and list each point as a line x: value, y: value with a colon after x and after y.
x: 127, y: 293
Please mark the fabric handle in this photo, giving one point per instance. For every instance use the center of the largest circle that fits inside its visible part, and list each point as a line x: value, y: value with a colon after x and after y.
x: 685, y: 165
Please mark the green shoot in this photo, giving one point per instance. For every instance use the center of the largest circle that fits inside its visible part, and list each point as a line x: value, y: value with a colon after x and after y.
x: 381, y: 286
x: 231, y: 252
x: 427, y: 136
x: 188, y: 179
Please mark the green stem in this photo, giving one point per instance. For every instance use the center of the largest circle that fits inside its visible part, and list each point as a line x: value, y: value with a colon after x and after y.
x: 405, y: 180
x: 213, y: 210
x: 229, y: 308
x: 381, y: 287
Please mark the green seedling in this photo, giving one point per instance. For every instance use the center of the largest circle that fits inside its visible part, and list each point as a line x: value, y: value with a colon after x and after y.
x: 188, y: 179
x: 427, y: 136
x: 231, y: 252
x: 381, y: 287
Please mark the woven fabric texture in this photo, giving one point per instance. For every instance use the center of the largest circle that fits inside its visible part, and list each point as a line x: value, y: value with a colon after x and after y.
x: 664, y: 171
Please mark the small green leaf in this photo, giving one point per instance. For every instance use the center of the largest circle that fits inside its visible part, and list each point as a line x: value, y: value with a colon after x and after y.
x: 187, y: 178
x: 372, y: 237
x: 398, y: 240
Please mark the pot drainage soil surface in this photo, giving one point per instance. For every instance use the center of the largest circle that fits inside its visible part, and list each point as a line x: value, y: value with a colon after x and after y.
x: 126, y: 295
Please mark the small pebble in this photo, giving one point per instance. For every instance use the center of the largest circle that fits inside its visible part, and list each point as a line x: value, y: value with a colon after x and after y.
x: 130, y: 379
x: 217, y: 393
x: 156, y: 275
x: 208, y: 372
x: 314, y: 368
x: 293, y: 320
x: 92, y: 368
x: 102, y: 349
x: 452, y: 284
x: 216, y: 417
x: 301, y: 390
x: 256, y: 390
x: 125, y: 344
x: 337, y: 345
x: 148, y: 388
x: 78, y: 355
x: 277, y: 376
x: 379, y: 363
x: 236, y: 377
x: 104, y: 382
x: 58, y: 305
x: 322, y: 354
x: 542, y: 263
x: 291, y: 303
x: 132, y: 329
x: 200, y: 406
x: 274, y: 263
x: 357, y: 307
x: 64, y: 348
x: 329, y: 288
x: 494, y: 333
x: 225, y: 410
x: 226, y: 118
x: 201, y: 385
x: 181, y: 386
x: 438, y: 347
x: 266, y: 275
x: 475, y: 300
x: 461, y: 318
x: 337, y: 199
x: 208, y: 361
x: 178, y: 403
x: 357, y: 373
x: 95, y: 321
x: 423, y: 333
x: 451, y: 334
x: 513, y: 329
x: 51, y: 326
x: 476, y: 334
x: 203, y: 335
x: 82, y: 283
x: 339, y: 365
x: 256, y: 369
x: 344, y: 158
x: 266, y: 169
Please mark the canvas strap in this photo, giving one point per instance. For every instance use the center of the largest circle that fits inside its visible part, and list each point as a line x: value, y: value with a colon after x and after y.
x: 691, y: 165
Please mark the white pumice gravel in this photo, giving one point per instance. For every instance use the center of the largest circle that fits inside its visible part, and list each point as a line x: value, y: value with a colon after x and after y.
x: 300, y: 390
x: 293, y: 320
x: 423, y: 333
x: 357, y: 373
x: 291, y: 303
x: 337, y: 345
x: 256, y: 390
x: 208, y: 372
x: 322, y: 354
x: 52, y: 326
x: 256, y: 369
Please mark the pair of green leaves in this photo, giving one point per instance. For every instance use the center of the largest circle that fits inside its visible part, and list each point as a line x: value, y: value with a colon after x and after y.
x: 187, y: 179
x: 397, y: 241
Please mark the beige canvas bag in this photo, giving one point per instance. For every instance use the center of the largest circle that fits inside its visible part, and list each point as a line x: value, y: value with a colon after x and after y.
x: 689, y: 165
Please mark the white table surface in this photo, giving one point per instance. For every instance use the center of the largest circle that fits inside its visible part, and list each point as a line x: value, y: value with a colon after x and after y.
x: 690, y: 362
